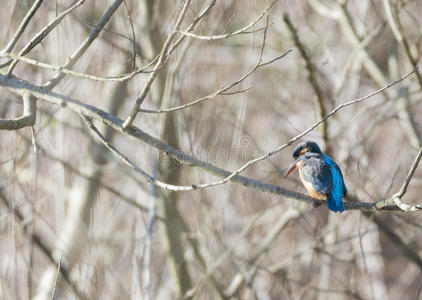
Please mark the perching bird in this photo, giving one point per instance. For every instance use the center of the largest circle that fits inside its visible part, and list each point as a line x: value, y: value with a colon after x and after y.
x: 320, y: 175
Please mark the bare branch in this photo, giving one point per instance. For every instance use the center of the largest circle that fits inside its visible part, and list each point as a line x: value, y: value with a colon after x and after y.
x: 224, y: 90
x: 237, y: 32
x: 409, y: 175
x: 292, y: 140
x: 161, y: 60
x: 340, y: 13
x: 397, y: 29
x: 128, y: 162
x: 20, y: 87
x: 312, y: 78
x: 190, y: 28
x: 57, y: 276
x: 41, y: 35
x: 28, y: 115
x: 396, y: 198
x: 66, y: 71
x: 133, y: 40
x: 85, y: 45
x: 22, y: 26
x: 40, y: 243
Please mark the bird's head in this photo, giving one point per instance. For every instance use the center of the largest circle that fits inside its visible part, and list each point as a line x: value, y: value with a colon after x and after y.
x: 300, y: 150
x: 306, y: 147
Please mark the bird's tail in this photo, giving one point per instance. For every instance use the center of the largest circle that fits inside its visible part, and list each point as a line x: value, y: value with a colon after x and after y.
x: 335, y: 205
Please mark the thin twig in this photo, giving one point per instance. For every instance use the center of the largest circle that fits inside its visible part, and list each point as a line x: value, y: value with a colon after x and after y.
x: 229, y: 22
x: 312, y: 78
x: 237, y: 32
x: 147, y: 253
x: 341, y: 14
x: 40, y: 242
x: 20, y: 87
x: 128, y: 162
x: 410, y: 175
x: 399, y: 34
x: 41, y: 35
x: 57, y: 277
x: 67, y: 71
x: 133, y: 40
x: 71, y: 61
x: 30, y: 14
x: 292, y: 140
x: 161, y: 60
x: 396, y: 198
x: 224, y: 90
x: 190, y: 28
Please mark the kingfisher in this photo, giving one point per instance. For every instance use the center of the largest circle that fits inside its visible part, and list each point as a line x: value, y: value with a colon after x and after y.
x: 320, y: 175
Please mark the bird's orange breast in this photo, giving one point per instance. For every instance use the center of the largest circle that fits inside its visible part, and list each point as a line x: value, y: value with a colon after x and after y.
x: 309, y: 186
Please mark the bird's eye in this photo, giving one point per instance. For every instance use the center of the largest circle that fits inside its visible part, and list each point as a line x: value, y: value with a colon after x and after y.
x: 303, y: 151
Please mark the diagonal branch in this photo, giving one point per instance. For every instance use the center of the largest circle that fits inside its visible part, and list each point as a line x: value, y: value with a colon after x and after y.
x: 40, y: 243
x: 20, y: 87
x: 161, y: 60
x: 396, y: 198
x: 41, y: 35
x: 224, y: 90
x: 129, y: 163
x: 30, y: 14
x: 85, y: 45
x: 67, y: 71
x: 397, y: 29
x: 190, y: 28
x: 237, y: 32
x: 292, y: 140
x: 312, y: 78
x: 341, y: 14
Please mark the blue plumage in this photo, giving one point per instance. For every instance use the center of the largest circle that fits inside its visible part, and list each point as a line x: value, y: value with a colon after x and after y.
x: 320, y: 175
x: 334, y: 201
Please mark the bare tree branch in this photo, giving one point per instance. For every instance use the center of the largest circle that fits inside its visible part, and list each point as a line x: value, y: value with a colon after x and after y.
x: 209, y: 215
x: 66, y: 71
x: 224, y: 90
x: 397, y: 29
x: 237, y: 32
x: 28, y: 115
x: 85, y: 45
x: 292, y: 140
x: 396, y: 198
x: 129, y: 163
x: 20, y: 87
x: 41, y: 35
x: 312, y: 78
x: 161, y: 60
x: 22, y: 26
x: 42, y: 245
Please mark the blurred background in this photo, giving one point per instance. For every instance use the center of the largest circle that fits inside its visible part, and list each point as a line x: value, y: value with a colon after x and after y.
x: 76, y: 223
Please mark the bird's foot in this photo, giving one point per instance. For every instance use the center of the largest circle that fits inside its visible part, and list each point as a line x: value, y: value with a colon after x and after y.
x: 316, y: 203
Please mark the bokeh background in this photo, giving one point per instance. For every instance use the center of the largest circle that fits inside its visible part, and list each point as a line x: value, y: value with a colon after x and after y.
x: 75, y: 222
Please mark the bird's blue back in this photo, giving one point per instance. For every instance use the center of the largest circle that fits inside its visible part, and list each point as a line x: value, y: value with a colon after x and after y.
x: 326, y: 178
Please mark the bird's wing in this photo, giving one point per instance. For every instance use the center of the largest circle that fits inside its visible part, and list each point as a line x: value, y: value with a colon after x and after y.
x: 339, y: 189
x: 326, y: 178
x: 342, y: 179
x: 317, y: 172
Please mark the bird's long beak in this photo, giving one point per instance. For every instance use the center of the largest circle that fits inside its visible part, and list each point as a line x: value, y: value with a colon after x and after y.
x: 292, y: 167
